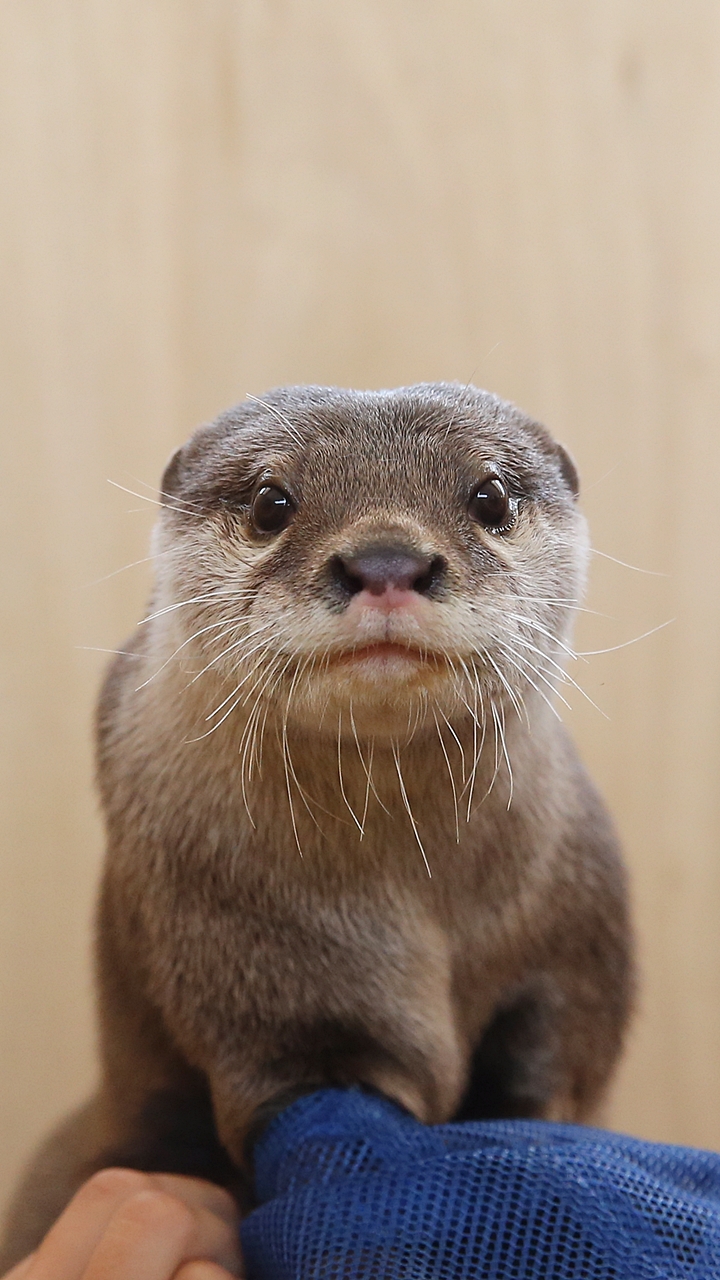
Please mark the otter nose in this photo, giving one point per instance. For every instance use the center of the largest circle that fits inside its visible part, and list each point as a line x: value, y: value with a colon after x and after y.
x: 379, y: 569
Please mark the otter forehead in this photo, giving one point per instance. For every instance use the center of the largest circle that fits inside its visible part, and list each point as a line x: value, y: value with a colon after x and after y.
x: 347, y: 452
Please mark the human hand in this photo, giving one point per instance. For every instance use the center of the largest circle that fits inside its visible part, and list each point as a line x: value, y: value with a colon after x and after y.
x: 124, y: 1225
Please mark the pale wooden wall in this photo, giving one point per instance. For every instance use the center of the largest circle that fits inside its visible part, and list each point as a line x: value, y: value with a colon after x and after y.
x: 206, y: 197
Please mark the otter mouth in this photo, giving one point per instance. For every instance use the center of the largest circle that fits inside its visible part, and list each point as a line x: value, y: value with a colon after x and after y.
x: 382, y: 652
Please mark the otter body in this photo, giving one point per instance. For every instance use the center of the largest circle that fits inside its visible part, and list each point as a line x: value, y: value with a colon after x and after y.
x: 349, y: 840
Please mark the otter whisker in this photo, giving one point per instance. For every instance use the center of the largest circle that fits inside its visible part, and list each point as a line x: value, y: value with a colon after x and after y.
x: 212, y: 626
x: 555, y: 640
x: 593, y: 653
x: 246, y: 739
x: 548, y: 677
x: 419, y: 707
x: 410, y: 814
x: 191, y: 506
x: 473, y: 713
x: 290, y: 769
x: 655, y: 573
x: 94, y: 648
x: 477, y: 747
x: 144, y: 498
x: 496, y: 770
x: 289, y: 792
x: 499, y: 717
x: 506, y: 686
x: 562, y: 674
x: 266, y: 692
x: 237, y: 700
x: 133, y: 565
x: 280, y: 417
x: 258, y: 736
x: 367, y: 768
x: 571, y: 606
x: 454, y: 417
x: 224, y: 717
x: 286, y: 747
x: 249, y: 735
x: 231, y: 627
x: 270, y: 677
x: 473, y: 681
x: 452, y: 778
x: 457, y: 740
x: 368, y: 785
x: 348, y: 805
x: 257, y: 665
x: 258, y: 742
x: 522, y: 665
x: 237, y: 644
x: 219, y: 593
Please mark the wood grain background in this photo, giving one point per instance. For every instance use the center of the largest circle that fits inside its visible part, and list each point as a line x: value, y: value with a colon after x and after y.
x: 202, y: 198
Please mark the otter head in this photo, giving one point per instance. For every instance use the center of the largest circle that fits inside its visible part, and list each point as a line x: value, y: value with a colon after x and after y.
x: 364, y: 562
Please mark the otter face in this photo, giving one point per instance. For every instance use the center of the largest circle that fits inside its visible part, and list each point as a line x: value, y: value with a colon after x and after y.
x: 365, y: 561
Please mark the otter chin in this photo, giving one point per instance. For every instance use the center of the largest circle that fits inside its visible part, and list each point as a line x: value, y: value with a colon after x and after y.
x: 349, y: 840
x: 376, y: 689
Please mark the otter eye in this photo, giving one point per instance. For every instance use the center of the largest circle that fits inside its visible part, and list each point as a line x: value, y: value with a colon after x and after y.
x: 271, y: 509
x: 490, y: 505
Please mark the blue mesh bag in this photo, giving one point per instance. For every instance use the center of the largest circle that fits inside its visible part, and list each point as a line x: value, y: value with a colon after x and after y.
x: 350, y: 1187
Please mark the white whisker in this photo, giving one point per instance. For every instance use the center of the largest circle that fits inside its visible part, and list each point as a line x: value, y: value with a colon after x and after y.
x: 203, y: 630
x: 191, y: 506
x: 93, y: 648
x: 452, y: 779
x: 549, y: 635
x: 410, y: 814
x: 655, y: 573
x: 237, y: 644
x: 348, y: 805
x: 222, y: 594
x: 593, y: 653
x: 499, y: 717
x: 504, y: 682
x: 286, y: 750
x: 457, y: 740
x: 133, y: 565
x: 562, y: 674
x: 279, y: 415
x: 521, y: 665
x: 175, y: 506
x: 367, y: 768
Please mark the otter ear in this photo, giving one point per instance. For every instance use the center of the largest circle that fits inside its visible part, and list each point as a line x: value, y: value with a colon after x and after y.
x: 172, y: 475
x: 568, y: 470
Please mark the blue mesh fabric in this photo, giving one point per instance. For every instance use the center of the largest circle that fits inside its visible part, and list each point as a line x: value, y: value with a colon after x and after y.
x: 352, y: 1188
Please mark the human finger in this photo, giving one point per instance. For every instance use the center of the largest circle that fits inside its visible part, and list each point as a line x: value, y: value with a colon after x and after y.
x: 20, y: 1270
x: 70, y: 1243
x: 153, y: 1233
x: 197, y: 1270
x: 203, y: 1214
x: 196, y: 1193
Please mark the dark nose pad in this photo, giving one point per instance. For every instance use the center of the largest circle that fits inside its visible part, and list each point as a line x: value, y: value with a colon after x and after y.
x: 374, y: 569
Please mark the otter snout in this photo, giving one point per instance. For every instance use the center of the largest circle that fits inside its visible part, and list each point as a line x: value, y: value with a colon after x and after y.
x: 387, y: 575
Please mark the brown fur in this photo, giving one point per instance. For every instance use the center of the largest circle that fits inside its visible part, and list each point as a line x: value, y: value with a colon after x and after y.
x: 267, y: 922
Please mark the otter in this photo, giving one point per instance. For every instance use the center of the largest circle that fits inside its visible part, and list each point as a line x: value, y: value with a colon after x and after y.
x: 349, y: 839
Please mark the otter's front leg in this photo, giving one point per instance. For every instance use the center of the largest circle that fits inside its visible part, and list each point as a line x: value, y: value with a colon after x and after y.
x: 549, y: 1049
x: 266, y: 1002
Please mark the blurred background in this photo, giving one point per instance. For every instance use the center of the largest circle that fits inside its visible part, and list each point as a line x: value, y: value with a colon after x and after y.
x: 204, y: 198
